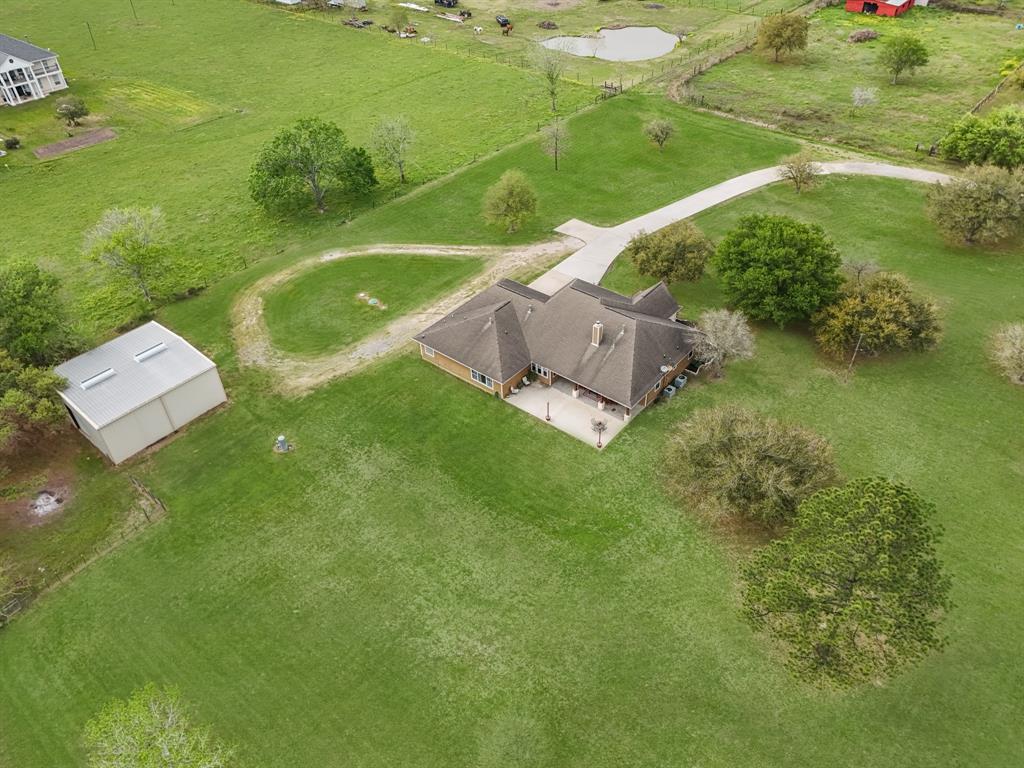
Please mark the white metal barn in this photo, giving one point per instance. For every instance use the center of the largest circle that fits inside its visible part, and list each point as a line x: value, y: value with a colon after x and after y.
x: 130, y: 392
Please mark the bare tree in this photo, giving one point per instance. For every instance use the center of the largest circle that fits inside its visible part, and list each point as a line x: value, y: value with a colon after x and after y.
x: 800, y: 170
x: 392, y: 137
x: 659, y: 131
x: 725, y: 336
x: 555, y: 139
x: 551, y: 64
x: 864, y: 97
x: 1008, y: 351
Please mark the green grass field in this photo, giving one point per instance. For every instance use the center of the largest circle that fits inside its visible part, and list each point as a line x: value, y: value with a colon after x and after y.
x: 192, y: 98
x: 319, y: 311
x: 810, y: 93
x: 435, y: 578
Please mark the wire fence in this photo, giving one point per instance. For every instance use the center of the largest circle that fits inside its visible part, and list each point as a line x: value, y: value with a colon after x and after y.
x: 147, y: 511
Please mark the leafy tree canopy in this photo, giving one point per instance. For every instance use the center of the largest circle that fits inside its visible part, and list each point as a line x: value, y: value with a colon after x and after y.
x: 71, y: 109
x: 510, y: 201
x: 996, y: 138
x: 34, y: 327
x: 984, y: 205
x: 29, y: 403
x: 660, y: 131
x: 902, y: 53
x: 151, y: 729
x: 783, y: 32
x: 776, y: 268
x: 1008, y: 351
x: 877, y: 315
x: 305, y: 162
x: 753, y: 467
x: 855, y: 589
x: 673, y: 253
x: 725, y: 336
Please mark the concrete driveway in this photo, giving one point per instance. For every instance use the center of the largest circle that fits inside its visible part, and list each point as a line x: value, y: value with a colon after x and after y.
x: 604, y: 244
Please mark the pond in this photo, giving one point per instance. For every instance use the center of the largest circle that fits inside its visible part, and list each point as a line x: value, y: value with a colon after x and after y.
x: 626, y: 44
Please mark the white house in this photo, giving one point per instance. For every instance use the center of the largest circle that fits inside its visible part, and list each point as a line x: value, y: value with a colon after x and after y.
x: 130, y: 392
x: 27, y: 72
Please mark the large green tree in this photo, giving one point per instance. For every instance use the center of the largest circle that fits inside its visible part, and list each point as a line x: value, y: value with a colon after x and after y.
x: 34, y: 327
x: 152, y: 729
x: 776, y: 268
x: 784, y: 32
x: 855, y: 589
x: 877, y: 315
x: 750, y: 466
x: 984, y: 205
x: 996, y: 138
x: 307, y: 161
x: 902, y: 53
x: 673, y: 253
x: 510, y: 201
x: 29, y: 404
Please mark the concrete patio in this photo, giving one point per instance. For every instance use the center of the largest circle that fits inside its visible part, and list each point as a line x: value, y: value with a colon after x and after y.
x: 569, y: 414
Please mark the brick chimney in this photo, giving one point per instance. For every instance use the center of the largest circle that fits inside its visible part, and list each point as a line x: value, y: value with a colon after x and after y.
x: 597, y: 333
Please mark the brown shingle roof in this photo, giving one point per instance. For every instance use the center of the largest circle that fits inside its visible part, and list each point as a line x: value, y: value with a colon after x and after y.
x: 506, y: 327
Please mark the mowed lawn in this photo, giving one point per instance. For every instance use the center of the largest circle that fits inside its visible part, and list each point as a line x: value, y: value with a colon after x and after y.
x: 193, y: 89
x: 810, y: 92
x: 436, y: 579
x: 321, y: 310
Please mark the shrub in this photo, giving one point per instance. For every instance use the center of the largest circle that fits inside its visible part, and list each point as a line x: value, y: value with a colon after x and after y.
x: 749, y: 465
x: 510, y: 201
x: 676, y: 252
x: 776, y: 268
x: 659, y: 131
x: 12, y: 142
x: 71, y: 109
x: 1008, y: 351
x: 996, y: 138
x: 985, y: 205
x: 878, y: 315
x: 862, y: 36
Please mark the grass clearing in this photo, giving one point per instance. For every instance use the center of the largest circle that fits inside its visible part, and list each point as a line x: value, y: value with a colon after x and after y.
x: 189, y: 130
x: 320, y: 310
x: 434, y: 574
x: 810, y: 93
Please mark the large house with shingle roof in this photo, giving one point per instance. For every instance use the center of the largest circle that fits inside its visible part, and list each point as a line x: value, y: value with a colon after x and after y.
x: 613, y: 349
x: 27, y: 72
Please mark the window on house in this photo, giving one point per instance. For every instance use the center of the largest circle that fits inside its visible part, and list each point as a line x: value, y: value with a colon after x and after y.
x: 427, y: 351
x: 481, y: 379
x: 540, y: 370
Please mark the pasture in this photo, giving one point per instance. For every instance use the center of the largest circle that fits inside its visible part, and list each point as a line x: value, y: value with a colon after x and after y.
x: 810, y: 93
x: 433, y: 573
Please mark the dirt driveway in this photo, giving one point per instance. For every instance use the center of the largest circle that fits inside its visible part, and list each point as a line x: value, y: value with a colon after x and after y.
x: 298, y: 375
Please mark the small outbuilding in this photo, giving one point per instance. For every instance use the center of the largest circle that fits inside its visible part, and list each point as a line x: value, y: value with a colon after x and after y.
x: 138, y: 388
x: 881, y: 7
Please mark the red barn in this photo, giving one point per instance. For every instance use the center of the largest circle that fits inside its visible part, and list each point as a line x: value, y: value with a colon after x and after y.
x: 879, y: 7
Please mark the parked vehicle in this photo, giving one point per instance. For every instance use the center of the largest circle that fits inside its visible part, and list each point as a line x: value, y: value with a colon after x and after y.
x: 503, y: 21
x: 447, y: 3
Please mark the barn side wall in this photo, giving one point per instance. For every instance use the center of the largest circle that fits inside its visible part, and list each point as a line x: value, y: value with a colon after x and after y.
x: 92, y: 434
x: 194, y: 398
x: 136, y: 430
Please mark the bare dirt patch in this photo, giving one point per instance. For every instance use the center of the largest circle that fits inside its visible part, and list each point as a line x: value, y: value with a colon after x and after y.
x: 40, y: 486
x: 82, y: 140
x: 296, y: 376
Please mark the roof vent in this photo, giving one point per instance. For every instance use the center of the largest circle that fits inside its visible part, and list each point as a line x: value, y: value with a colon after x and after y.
x: 597, y: 333
x: 99, y: 378
x: 149, y: 352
